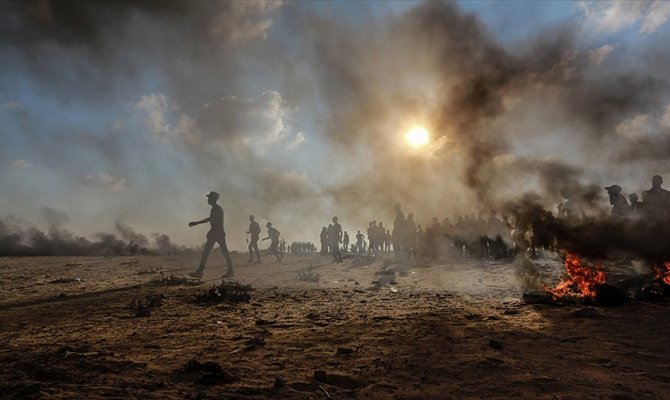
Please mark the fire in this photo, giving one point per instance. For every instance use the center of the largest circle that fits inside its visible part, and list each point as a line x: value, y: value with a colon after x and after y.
x: 581, y: 281
x: 663, y: 273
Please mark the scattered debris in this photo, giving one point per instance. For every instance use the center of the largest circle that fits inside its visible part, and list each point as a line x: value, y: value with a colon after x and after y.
x: 208, y: 373
x: 496, y: 344
x: 279, y: 382
x: 308, y: 276
x: 172, y: 280
x: 228, y: 291
x: 151, y: 271
x: 256, y: 341
x: 588, y: 312
x: 341, y: 351
x: 68, y: 280
x: 144, y: 307
x: 362, y: 261
x: 344, y: 381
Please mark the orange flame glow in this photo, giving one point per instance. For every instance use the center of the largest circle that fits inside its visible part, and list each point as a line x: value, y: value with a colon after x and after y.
x: 581, y: 280
x: 663, y: 273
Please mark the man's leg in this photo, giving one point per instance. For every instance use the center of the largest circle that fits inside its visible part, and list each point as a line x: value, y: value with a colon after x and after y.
x: 203, y: 260
x: 258, y: 252
x: 224, y: 250
x: 251, y: 247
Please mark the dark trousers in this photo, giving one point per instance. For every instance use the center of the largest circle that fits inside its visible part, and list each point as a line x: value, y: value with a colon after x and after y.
x: 253, y: 246
x: 215, y: 237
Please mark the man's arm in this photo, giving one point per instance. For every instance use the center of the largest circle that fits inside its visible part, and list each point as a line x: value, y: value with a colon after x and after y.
x: 194, y: 223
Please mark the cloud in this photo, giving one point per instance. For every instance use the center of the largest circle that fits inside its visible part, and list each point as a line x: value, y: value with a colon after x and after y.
x: 665, y: 118
x: 105, y: 181
x: 255, y: 123
x: 20, y: 164
x: 597, y: 56
x: 243, y: 21
x: 13, y: 105
x: 297, y: 141
x: 230, y: 121
x: 638, y: 126
x: 657, y: 15
x: 614, y: 16
x: 162, y: 118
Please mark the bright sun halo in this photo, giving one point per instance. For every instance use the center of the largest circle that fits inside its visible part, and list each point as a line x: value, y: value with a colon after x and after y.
x: 417, y: 136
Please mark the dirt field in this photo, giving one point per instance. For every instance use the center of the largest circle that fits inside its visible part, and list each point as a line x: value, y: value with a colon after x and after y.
x: 71, y: 328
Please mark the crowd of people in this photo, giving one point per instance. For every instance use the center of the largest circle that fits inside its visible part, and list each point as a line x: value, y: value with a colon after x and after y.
x: 485, y: 236
x: 655, y: 202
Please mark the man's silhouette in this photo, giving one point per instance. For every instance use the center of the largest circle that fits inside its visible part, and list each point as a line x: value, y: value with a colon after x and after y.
x: 345, y: 242
x: 620, y: 206
x: 398, y: 224
x: 324, y: 240
x: 273, y: 235
x: 656, y: 201
x: 336, y: 239
x: 215, y: 235
x: 359, y: 242
x: 255, y: 231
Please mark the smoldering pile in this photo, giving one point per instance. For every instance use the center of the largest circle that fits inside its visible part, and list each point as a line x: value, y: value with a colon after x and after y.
x: 608, y: 259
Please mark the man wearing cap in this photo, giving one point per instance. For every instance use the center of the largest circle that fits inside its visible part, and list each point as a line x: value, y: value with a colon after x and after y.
x: 215, y: 235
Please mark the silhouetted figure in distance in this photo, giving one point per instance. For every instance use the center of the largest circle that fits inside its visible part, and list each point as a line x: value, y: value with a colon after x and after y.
x: 359, y: 242
x: 255, y: 231
x: 345, y: 241
x: 656, y: 201
x: 398, y: 228
x: 216, y: 234
x: 620, y: 207
x: 324, y: 240
x: 273, y: 235
x: 335, y: 240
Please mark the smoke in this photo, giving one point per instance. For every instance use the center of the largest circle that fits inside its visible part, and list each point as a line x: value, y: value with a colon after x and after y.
x: 297, y: 113
x: 20, y: 239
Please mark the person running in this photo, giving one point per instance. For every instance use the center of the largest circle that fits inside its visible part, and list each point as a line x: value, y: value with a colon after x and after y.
x: 216, y: 234
x: 273, y: 235
x: 255, y: 231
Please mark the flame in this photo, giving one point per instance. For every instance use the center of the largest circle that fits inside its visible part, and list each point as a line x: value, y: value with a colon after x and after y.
x: 663, y: 273
x: 581, y: 280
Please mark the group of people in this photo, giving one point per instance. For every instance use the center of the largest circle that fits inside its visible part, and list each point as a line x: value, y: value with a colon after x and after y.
x: 331, y: 237
x: 474, y: 236
x: 216, y: 234
x: 655, y: 202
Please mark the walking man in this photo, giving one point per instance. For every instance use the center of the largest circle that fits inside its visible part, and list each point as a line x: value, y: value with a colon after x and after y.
x: 216, y: 234
x: 336, y: 239
x: 255, y: 231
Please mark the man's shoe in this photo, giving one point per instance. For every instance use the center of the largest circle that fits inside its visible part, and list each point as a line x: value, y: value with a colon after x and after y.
x: 228, y: 274
x: 195, y: 274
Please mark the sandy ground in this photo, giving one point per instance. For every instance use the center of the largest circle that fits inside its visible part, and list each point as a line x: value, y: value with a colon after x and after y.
x: 452, y: 329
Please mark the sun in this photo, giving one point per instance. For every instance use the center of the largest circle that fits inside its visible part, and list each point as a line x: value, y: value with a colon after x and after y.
x: 417, y: 136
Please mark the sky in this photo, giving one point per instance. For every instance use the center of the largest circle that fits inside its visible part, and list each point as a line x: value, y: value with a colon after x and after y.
x: 130, y: 112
